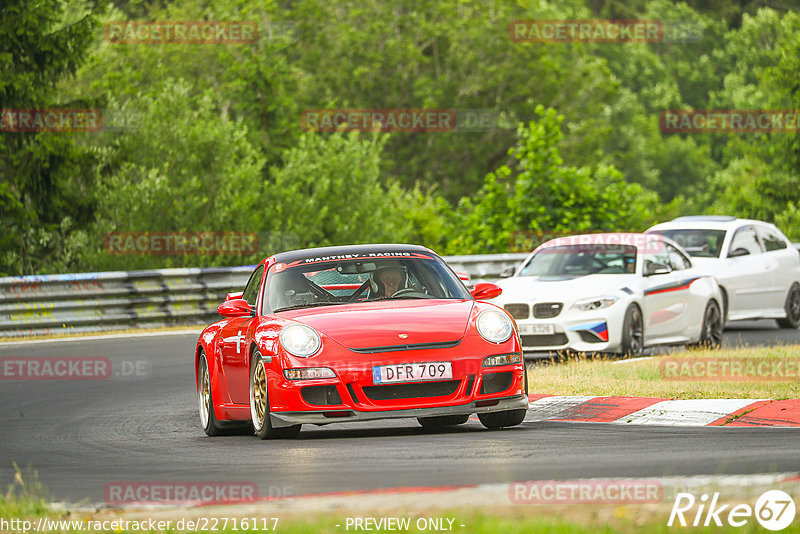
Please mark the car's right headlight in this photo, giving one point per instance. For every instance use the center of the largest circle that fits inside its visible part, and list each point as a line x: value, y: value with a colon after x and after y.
x: 596, y: 303
x: 494, y: 326
x: 300, y: 340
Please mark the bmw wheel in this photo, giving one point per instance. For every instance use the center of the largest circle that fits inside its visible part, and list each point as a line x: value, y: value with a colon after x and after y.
x: 259, y: 404
x: 633, y: 332
x: 792, y: 307
x: 711, y: 333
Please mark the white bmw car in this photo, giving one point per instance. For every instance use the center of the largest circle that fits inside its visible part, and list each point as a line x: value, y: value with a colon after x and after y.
x: 758, y: 269
x: 611, y: 293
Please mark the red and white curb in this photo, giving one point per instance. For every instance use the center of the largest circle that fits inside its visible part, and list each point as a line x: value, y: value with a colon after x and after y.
x: 654, y: 411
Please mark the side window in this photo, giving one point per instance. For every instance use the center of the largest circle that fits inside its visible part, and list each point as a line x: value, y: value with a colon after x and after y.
x: 250, y: 293
x: 771, y: 240
x: 745, y: 237
x: 677, y: 260
x: 660, y: 257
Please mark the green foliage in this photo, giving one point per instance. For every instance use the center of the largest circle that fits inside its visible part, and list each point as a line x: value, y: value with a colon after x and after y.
x: 180, y: 166
x: 215, y: 141
x: 45, y: 178
x: 541, y: 193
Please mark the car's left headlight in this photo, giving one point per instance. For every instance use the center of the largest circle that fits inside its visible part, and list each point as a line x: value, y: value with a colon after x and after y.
x: 494, y: 326
x: 596, y: 303
x: 300, y: 340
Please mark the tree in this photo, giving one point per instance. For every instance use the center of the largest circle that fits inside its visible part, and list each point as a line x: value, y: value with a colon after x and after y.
x: 540, y: 193
x: 45, y: 177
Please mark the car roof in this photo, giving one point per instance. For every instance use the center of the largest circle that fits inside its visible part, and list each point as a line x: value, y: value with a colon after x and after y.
x: 710, y: 222
x: 358, y: 250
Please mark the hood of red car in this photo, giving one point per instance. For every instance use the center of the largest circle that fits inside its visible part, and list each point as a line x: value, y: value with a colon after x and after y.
x: 380, y: 324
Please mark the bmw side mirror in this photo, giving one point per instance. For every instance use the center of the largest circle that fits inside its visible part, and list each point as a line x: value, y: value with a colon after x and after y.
x: 738, y: 252
x: 508, y: 271
x: 653, y: 268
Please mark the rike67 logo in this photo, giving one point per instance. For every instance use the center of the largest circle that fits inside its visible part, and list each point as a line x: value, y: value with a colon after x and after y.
x: 774, y: 510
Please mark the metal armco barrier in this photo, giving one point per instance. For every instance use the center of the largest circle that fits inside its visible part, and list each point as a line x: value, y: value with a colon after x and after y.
x: 90, y: 302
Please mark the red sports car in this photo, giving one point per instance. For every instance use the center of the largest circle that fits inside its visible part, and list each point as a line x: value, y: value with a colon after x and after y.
x: 356, y: 333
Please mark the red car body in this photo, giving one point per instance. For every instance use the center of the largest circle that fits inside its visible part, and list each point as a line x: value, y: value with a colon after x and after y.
x: 356, y: 338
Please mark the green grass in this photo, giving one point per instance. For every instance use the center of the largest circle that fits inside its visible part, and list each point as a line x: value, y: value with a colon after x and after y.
x: 24, y: 497
x: 615, y: 377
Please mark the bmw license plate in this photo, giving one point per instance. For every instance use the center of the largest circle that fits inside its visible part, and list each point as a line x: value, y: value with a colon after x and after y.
x: 412, y: 372
x: 537, y: 329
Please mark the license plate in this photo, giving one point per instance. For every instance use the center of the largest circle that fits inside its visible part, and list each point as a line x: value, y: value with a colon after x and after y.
x: 412, y: 372
x: 537, y: 329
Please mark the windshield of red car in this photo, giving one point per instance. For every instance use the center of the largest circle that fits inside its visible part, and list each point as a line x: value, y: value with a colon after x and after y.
x: 362, y: 279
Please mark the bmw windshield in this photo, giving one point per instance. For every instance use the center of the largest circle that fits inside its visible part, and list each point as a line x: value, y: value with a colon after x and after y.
x: 571, y: 261
x: 310, y: 283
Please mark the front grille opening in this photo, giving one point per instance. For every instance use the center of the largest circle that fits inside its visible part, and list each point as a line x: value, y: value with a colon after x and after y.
x: 470, y: 383
x: 352, y: 391
x: 518, y: 311
x: 589, y: 337
x: 544, y: 340
x: 411, y: 391
x: 547, y: 310
x: 496, y: 382
x: 321, y: 395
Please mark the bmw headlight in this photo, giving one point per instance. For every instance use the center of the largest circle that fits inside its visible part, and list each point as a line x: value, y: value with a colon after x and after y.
x: 494, y: 326
x: 596, y: 303
x: 300, y: 340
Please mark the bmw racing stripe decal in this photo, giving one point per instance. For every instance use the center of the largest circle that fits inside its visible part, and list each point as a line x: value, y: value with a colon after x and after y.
x: 672, y: 286
x: 600, y: 329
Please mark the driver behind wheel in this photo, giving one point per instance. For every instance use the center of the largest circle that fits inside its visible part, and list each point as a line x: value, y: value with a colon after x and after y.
x: 386, y: 281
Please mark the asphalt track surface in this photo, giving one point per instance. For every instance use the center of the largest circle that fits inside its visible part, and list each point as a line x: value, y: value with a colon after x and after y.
x: 82, y: 435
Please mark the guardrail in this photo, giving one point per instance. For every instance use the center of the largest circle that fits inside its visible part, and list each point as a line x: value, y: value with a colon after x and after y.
x: 89, y: 302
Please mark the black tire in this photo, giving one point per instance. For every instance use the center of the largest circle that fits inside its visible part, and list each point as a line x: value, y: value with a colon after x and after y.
x: 259, y: 405
x: 441, y: 421
x: 633, y: 332
x: 792, y: 307
x: 507, y: 418
x: 711, y: 333
x: 208, y: 420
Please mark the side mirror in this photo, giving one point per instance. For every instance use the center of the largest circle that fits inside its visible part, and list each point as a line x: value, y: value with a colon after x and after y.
x: 656, y: 268
x: 464, y: 277
x: 738, y: 252
x: 235, y: 308
x: 485, y: 291
x: 508, y: 271
x: 231, y: 296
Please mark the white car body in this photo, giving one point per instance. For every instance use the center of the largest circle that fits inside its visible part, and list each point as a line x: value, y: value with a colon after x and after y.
x: 672, y: 304
x: 756, y: 285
